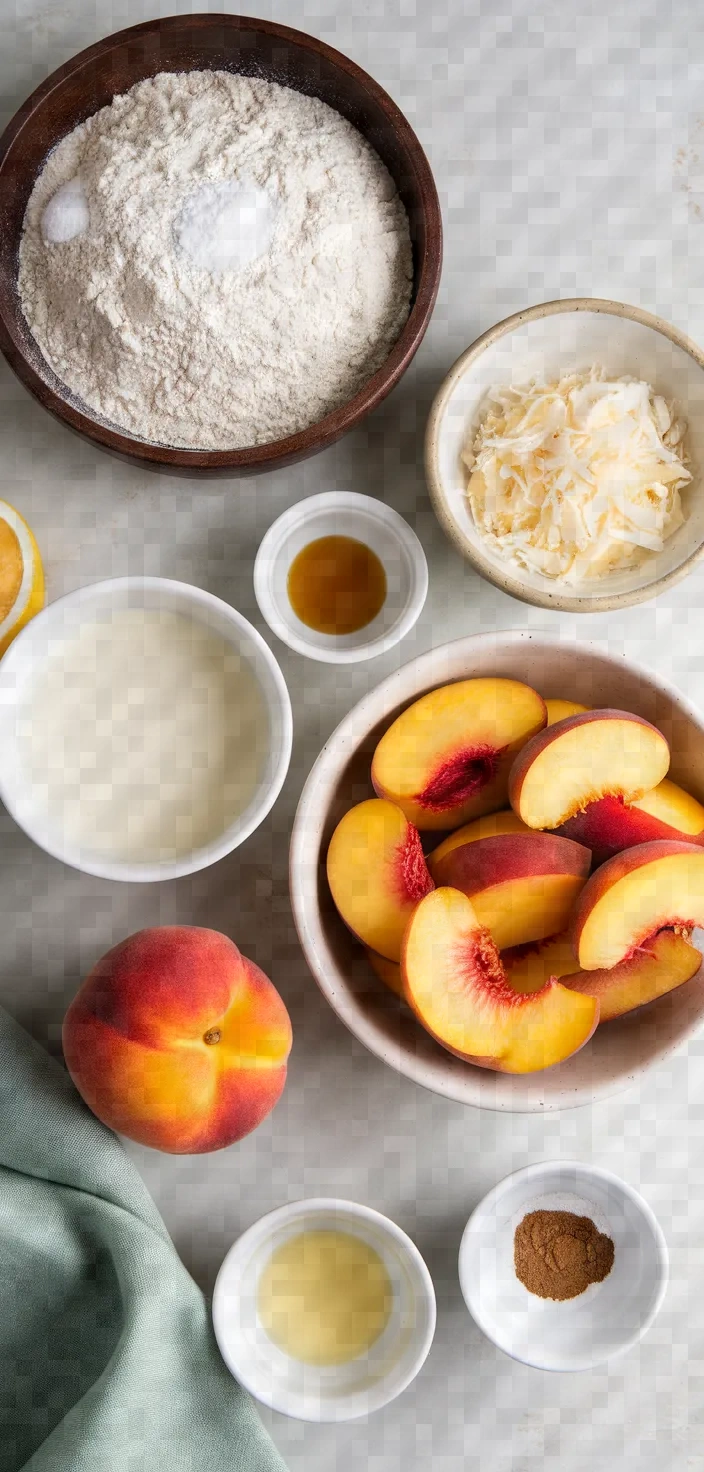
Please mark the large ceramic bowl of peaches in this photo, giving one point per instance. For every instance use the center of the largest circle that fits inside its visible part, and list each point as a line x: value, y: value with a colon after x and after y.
x: 497, y: 871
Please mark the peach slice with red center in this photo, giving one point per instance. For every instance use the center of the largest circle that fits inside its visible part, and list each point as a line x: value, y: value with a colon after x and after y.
x: 446, y: 759
x: 656, y: 886
x: 559, y: 710
x: 490, y: 826
x: 600, y: 753
x: 664, y: 963
x: 454, y: 981
x: 377, y: 873
x: 523, y: 886
x: 387, y: 971
x: 610, y: 824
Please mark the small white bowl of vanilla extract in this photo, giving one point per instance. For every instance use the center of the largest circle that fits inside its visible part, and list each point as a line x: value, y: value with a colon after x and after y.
x: 340, y: 577
x: 324, y: 1310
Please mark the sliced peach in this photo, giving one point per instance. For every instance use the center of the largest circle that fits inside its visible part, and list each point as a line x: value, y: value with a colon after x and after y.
x: 377, y: 873
x: 601, y: 753
x: 446, y: 759
x: 656, y: 886
x: 529, y: 967
x: 609, y: 825
x: 675, y: 808
x: 559, y: 710
x: 454, y: 981
x: 665, y: 962
x: 387, y: 971
x: 523, y: 885
x: 490, y: 826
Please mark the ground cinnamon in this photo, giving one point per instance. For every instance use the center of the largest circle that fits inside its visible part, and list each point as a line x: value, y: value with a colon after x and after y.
x: 558, y: 1254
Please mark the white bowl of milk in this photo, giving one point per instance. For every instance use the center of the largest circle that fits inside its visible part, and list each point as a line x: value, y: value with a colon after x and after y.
x: 145, y: 728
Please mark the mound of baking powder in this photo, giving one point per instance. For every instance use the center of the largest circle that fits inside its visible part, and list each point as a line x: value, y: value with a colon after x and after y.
x: 253, y: 336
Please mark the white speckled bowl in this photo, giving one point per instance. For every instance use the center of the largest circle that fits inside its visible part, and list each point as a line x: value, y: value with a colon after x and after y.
x: 609, y: 1317
x: 314, y: 1392
x: 544, y: 343
x: 620, y: 1051
x: 342, y: 514
x: 59, y: 623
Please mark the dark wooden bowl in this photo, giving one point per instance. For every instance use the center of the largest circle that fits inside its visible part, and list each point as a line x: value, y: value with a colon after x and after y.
x: 255, y: 48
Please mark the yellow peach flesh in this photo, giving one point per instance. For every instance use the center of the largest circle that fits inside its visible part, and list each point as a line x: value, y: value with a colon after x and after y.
x: 609, y: 755
x: 377, y: 873
x: 455, y: 983
x: 525, y: 910
x: 665, y: 890
x: 672, y: 805
x: 529, y: 967
x: 446, y: 759
x: 559, y: 710
x: 666, y: 963
x: 522, y: 885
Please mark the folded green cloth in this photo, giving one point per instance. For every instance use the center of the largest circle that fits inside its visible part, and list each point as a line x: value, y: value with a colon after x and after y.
x: 107, y: 1357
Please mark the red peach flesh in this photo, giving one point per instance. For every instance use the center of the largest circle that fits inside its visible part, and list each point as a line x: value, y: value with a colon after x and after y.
x: 459, y: 778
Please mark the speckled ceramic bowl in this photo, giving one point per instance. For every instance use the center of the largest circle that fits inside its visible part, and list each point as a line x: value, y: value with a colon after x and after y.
x: 620, y: 1051
x: 576, y: 1333
x: 544, y: 343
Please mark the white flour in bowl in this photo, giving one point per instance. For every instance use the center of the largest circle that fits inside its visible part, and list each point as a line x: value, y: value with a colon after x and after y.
x: 291, y: 300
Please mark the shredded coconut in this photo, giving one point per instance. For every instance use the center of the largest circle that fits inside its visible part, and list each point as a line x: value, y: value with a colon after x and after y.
x: 266, y: 342
x: 578, y: 478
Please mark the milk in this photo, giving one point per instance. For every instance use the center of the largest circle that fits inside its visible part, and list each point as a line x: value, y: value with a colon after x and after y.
x: 144, y: 736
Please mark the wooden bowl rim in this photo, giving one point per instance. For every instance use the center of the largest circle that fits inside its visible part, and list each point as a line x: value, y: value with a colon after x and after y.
x: 325, y: 431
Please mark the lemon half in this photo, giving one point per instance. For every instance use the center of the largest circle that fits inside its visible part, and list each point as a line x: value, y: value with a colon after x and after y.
x: 21, y: 575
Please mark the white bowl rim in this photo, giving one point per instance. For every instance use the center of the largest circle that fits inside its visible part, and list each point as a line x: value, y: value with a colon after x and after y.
x: 353, y: 1210
x: 375, y: 510
x: 583, y: 1168
x: 346, y: 736
x: 236, y: 833
x: 508, y: 581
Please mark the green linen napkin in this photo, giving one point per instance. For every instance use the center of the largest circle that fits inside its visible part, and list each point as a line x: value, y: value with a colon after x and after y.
x: 107, y: 1357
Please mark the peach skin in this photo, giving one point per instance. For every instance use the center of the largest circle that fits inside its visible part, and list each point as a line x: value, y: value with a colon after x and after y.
x: 600, y: 753
x: 610, y: 825
x: 490, y: 826
x: 178, y: 1041
x: 454, y: 981
x: 377, y: 873
x: 665, y: 962
x: 523, y: 886
x: 559, y: 710
x: 656, y: 886
x: 446, y: 759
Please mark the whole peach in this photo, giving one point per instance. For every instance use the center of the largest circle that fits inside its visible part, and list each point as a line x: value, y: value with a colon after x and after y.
x: 177, y: 1040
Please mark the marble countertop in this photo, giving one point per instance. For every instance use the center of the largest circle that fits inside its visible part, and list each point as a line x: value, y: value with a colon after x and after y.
x: 566, y: 141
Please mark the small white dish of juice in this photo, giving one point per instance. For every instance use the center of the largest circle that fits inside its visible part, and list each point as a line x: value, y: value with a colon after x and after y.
x: 324, y: 1310
x: 145, y: 728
